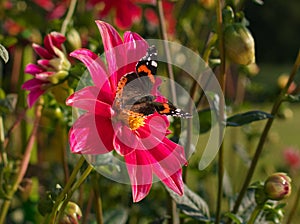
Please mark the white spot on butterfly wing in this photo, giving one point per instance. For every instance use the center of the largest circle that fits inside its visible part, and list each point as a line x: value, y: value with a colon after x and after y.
x: 153, y: 63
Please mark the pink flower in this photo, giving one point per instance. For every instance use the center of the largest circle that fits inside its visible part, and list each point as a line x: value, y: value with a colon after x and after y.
x: 50, y: 70
x: 12, y: 27
x: 128, y: 12
x: 55, y: 9
x: 292, y: 157
x: 141, y: 140
x: 168, y: 8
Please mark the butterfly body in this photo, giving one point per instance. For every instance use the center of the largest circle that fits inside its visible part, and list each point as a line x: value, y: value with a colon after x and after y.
x: 134, y: 90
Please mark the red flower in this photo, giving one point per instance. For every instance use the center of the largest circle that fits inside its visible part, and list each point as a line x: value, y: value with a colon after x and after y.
x: 128, y: 12
x: 49, y: 70
x: 292, y: 157
x: 55, y: 9
x: 168, y: 8
x: 12, y: 27
x: 140, y: 140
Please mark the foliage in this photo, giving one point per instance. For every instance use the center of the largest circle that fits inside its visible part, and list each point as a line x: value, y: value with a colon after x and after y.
x: 44, y: 182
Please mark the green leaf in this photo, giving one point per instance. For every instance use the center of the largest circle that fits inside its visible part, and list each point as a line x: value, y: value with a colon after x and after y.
x: 8, y: 102
x: 119, y: 215
x: 191, y: 204
x: 45, y: 205
x: 235, y: 218
x: 4, y: 53
x: 246, y: 118
x: 292, y: 98
x: 205, y: 120
x: 259, y: 2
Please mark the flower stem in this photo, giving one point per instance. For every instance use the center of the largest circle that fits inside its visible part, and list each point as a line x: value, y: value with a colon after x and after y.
x: 23, y: 166
x: 222, y: 81
x: 294, y: 207
x: 98, y: 201
x: 15, y: 124
x: 254, y: 214
x: 52, y: 217
x: 2, y: 139
x: 264, y: 135
x: 73, y: 189
x: 167, y: 49
x: 68, y: 17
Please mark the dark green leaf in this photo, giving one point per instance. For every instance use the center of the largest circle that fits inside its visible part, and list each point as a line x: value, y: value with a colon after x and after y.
x: 45, y: 205
x: 205, y: 120
x: 119, y: 215
x: 246, y: 118
x: 191, y: 204
x: 4, y: 53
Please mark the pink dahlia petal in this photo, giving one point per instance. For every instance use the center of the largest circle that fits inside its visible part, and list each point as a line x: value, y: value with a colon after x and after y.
x: 86, y: 99
x: 92, y: 91
x: 44, y: 63
x: 136, y: 48
x: 42, y: 52
x: 33, y: 69
x: 175, y: 182
x: 115, y: 56
x: 125, y: 140
x: 49, y: 45
x: 95, y: 66
x: 32, y: 84
x: 167, y: 166
x: 140, y: 175
x: 54, y: 39
x: 33, y: 96
x: 44, y: 76
x: 58, y: 39
x: 95, y: 138
x: 110, y: 36
x: 154, y: 125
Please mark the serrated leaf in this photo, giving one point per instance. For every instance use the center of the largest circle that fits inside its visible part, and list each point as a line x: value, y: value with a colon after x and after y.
x: 4, y: 53
x: 119, y: 215
x: 191, y: 204
x: 246, y: 118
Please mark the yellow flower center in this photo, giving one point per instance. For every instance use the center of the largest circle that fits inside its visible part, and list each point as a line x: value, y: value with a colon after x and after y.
x: 132, y: 119
x: 135, y: 120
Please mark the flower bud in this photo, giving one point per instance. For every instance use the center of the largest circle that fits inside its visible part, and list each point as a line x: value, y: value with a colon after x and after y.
x: 74, y: 39
x: 239, y: 44
x: 72, y: 214
x: 283, y: 80
x: 278, y: 186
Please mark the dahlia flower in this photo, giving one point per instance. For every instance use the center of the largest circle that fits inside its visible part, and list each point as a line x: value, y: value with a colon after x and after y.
x: 140, y: 140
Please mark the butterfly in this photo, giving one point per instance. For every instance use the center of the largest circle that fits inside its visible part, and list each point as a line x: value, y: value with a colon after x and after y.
x: 134, y: 90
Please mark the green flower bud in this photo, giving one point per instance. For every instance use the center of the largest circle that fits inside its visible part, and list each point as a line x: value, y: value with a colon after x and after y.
x: 239, y: 44
x: 278, y: 186
x: 74, y: 39
x: 72, y: 214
